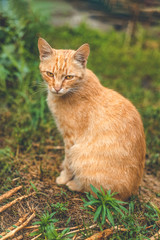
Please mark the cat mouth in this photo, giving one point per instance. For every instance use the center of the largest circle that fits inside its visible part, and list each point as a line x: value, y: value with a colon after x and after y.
x: 61, y: 92
x: 58, y: 93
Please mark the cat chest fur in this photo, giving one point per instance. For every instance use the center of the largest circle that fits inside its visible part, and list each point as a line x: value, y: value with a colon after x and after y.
x: 70, y: 115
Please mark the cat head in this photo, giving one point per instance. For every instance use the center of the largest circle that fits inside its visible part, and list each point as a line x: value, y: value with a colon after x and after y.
x: 63, y: 70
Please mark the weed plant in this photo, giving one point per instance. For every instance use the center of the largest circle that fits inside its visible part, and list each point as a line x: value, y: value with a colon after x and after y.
x: 103, y: 206
x: 45, y: 220
x: 60, y: 207
x: 47, y: 229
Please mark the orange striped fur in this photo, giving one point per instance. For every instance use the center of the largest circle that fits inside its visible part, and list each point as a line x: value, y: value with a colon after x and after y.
x: 102, y: 131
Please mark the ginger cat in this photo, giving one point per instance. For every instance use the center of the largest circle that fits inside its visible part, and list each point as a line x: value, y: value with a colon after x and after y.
x: 102, y: 130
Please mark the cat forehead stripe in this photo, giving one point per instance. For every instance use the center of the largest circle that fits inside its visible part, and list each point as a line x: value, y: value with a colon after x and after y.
x: 61, y: 61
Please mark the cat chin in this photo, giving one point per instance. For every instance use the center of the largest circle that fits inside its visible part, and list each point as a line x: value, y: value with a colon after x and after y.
x: 57, y: 94
x: 60, y: 93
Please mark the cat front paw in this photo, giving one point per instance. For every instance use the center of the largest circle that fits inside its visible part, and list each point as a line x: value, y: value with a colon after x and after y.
x: 63, y: 178
x: 61, y: 181
x: 74, y: 186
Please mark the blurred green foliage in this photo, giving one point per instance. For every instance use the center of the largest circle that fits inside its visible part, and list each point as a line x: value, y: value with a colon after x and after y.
x: 131, y: 70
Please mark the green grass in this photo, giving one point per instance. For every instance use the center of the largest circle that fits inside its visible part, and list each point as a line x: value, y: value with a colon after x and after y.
x: 138, y: 219
x: 131, y: 70
x: 135, y: 217
x: 49, y: 8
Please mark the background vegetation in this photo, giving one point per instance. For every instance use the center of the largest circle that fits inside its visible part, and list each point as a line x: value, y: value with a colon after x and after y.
x: 133, y: 70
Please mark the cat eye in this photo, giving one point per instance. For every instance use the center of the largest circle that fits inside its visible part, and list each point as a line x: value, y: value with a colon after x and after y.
x: 50, y: 74
x: 68, y: 77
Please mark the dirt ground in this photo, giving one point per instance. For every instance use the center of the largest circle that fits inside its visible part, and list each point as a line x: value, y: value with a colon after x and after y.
x: 41, y: 170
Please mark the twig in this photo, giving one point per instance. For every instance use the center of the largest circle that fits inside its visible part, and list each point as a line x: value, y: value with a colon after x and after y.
x: 105, y: 233
x: 21, y: 220
x: 155, y: 236
x: 36, y: 236
x: 120, y: 228
x: 78, y: 230
x: 77, y: 199
x: 31, y: 227
x: 54, y: 147
x: 101, y: 235
x: 12, y: 233
x: 18, y: 238
x: 9, y: 193
x: 35, y: 227
x: 93, y: 208
x: 74, y: 237
x: 71, y: 228
x: 107, y: 221
x: 149, y: 227
x: 13, y: 202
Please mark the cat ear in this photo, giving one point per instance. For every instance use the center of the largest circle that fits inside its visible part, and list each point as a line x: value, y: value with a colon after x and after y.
x: 45, y: 49
x: 82, y: 53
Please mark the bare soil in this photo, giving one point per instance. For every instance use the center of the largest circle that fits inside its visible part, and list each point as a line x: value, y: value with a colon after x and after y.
x: 41, y: 170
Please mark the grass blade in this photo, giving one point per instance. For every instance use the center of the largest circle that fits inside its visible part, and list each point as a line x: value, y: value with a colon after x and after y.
x: 97, y: 213
x: 110, y: 217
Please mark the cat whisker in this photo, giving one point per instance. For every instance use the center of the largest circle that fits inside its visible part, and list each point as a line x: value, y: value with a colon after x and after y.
x: 40, y: 91
x: 73, y: 90
x: 39, y: 84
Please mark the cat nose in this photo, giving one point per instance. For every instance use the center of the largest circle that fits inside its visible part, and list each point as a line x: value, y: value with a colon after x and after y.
x: 57, y: 89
